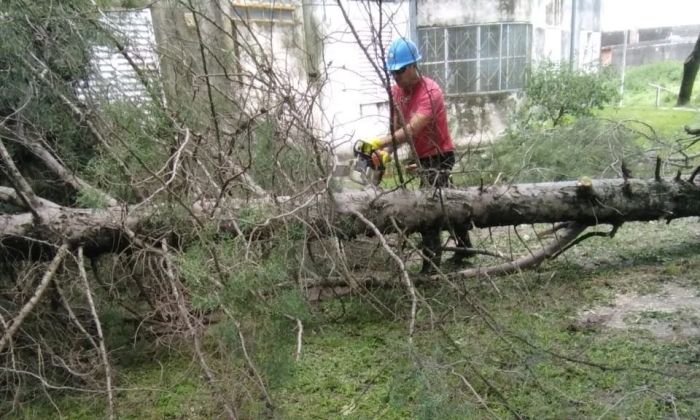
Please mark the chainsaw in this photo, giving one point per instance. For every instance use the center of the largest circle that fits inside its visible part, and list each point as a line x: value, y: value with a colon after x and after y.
x: 370, y: 165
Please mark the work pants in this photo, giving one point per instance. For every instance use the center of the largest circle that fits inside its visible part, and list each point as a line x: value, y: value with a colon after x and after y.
x: 435, y: 173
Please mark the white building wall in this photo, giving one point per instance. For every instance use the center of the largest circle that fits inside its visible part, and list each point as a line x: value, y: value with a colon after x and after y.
x: 355, y: 100
x: 465, y: 12
x: 474, y: 116
x: 274, y: 42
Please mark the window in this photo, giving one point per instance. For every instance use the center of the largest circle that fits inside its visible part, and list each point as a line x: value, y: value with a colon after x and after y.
x: 476, y: 59
x: 264, y: 12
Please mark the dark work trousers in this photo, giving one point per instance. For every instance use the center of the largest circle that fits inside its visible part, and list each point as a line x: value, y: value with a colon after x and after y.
x: 435, y: 173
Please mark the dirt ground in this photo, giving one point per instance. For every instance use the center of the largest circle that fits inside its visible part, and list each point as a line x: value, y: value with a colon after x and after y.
x: 672, y: 313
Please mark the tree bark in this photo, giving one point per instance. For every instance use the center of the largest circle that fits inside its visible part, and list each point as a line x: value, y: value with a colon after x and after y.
x: 608, y: 201
x: 690, y: 70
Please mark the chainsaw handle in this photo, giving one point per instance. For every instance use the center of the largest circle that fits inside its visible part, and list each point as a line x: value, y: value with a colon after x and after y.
x: 357, y: 147
x: 380, y: 158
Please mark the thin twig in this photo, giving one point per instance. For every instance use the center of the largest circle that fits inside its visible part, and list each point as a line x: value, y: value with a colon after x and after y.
x: 404, y: 273
x: 476, y: 394
x: 100, y: 336
x: 251, y: 365
x: 27, y: 308
x: 300, y: 333
x: 184, y: 313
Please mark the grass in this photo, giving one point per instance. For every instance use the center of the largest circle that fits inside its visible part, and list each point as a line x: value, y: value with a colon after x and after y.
x: 662, y: 123
x: 540, y: 362
x: 172, y: 387
x: 639, y: 101
x: 363, y: 367
x: 639, y: 91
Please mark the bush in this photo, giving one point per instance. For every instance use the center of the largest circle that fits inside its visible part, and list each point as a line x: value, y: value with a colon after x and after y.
x: 554, y: 92
x: 587, y: 147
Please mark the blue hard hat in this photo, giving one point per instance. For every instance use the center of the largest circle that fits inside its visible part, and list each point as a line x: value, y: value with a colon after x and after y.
x: 401, y: 53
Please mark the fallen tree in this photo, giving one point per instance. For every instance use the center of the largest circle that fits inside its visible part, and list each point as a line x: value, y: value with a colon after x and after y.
x: 586, y: 202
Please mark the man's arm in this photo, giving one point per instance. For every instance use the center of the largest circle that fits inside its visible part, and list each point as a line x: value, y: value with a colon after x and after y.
x: 417, y: 123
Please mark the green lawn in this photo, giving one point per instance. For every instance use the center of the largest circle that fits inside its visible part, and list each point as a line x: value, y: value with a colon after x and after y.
x: 667, y: 123
x: 518, y: 341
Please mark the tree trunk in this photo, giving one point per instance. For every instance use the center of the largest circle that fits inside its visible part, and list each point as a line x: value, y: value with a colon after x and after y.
x: 690, y: 70
x: 609, y: 201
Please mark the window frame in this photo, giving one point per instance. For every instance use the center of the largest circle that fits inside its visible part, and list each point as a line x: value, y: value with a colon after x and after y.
x: 479, y: 60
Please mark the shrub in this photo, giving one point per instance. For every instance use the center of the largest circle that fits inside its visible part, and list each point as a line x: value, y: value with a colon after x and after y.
x: 554, y: 92
x: 588, y: 147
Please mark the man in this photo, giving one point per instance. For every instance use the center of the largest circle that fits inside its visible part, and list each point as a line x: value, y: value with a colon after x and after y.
x: 421, y: 120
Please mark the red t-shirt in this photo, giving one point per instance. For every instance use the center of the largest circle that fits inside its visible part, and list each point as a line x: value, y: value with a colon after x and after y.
x: 426, y: 99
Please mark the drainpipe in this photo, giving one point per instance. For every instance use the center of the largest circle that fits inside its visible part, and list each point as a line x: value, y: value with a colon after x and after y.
x: 413, y: 25
x: 623, y: 65
x: 311, y: 41
x: 574, y: 38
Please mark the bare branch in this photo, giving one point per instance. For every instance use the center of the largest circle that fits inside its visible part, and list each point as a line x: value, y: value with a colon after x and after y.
x: 185, y: 315
x: 100, y: 336
x: 404, y: 272
x: 60, y: 170
x: 9, y: 195
x: 24, y: 191
x: 528, y: 261
x: 38, y: 294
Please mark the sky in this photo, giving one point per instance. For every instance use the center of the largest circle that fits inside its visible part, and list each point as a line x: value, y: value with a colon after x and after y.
x: 638, y: 14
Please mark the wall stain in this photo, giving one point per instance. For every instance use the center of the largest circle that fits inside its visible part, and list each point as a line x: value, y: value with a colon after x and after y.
x: 507, y: 7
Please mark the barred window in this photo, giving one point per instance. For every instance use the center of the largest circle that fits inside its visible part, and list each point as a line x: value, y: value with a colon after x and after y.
x: 478, y: 58
x: 264, y: 11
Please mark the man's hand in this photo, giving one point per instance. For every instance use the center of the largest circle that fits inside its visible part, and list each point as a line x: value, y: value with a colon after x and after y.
x: 380, y: 158
x: 369, y: 146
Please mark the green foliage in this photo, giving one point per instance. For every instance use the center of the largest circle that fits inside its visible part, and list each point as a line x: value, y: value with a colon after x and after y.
x: 54, y: 40
x: 356, y: 361
x: 144, y: 135
x: 277, y: 163
x: 361, y: 368
x: 91, y: 198
x: 588, y: 147
x: 554, y: 92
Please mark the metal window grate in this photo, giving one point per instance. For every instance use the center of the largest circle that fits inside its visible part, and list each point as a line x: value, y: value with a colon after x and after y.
x: 477, y: 58
x: 264, y: 12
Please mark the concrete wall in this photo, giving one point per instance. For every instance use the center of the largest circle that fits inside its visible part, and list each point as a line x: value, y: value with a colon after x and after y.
x: 485, y: 116
x: 309, y: 47
x: 646, y: 53
x: 354, y: 100
x: 649, y: 45
x: 240, y: 42
x: 466, y: 12
x: 178, y: 46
